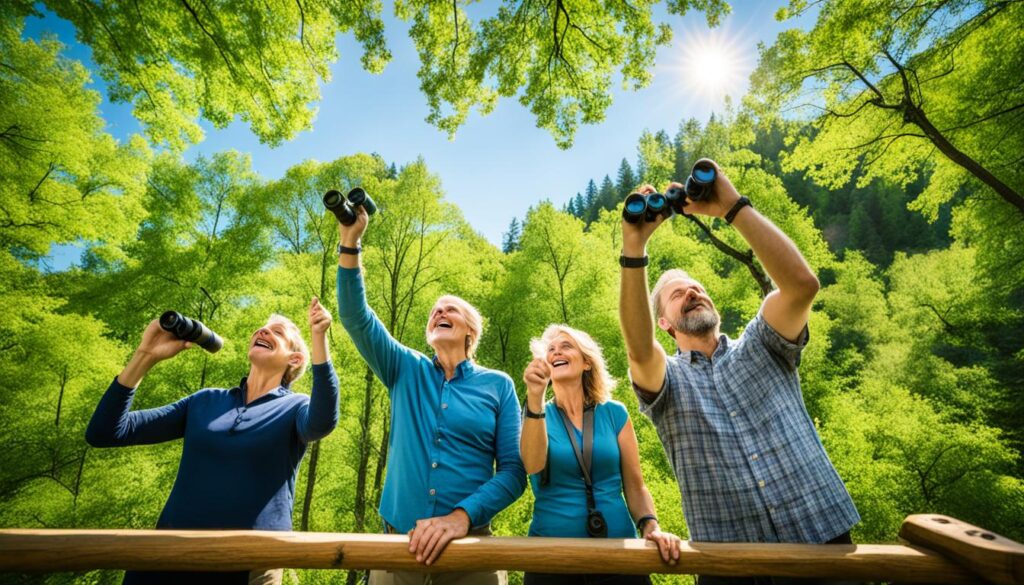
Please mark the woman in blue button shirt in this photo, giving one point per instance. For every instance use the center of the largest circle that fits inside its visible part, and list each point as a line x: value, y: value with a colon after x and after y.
x: 242, y: 447
x: 572, y: 362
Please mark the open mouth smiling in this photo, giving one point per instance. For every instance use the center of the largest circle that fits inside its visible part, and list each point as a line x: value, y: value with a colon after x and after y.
x: 559, y: 363
x: 262, y: 343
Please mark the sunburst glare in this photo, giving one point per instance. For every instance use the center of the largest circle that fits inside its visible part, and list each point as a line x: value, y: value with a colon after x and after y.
x: 707, y: 65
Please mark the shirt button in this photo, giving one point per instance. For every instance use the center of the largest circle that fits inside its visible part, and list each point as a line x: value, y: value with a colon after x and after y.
x: 760, y: 483
x: 771, y: 508
x: 432, y: 491
x: 434, y: 465
x: 732, y: 413
x: 753, y: 457
x: 444, y: 405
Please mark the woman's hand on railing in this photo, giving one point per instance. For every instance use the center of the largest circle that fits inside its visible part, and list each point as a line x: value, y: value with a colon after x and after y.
x: 668, y: 543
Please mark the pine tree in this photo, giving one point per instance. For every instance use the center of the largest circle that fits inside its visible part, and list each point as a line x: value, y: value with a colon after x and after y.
x: 607, y: 197
x: 626, y: 180
x: 510, y: 239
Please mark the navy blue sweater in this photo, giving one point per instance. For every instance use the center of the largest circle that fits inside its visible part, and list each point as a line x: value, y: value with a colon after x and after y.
x: 239, y: 461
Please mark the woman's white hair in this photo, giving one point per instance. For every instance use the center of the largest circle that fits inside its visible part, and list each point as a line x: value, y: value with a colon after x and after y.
x: 295, y: 343
x: 474, y: 321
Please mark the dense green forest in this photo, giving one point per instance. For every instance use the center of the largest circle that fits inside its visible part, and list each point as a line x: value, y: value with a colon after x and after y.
x: 885, y: 141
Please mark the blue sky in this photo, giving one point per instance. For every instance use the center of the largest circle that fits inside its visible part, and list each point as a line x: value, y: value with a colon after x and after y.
x: 498, y: 165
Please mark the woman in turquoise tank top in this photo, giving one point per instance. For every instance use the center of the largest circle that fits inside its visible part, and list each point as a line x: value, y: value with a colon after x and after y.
x: 580, y: 434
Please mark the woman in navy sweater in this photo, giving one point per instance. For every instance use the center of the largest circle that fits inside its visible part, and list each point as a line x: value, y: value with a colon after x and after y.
x: 242, y: 446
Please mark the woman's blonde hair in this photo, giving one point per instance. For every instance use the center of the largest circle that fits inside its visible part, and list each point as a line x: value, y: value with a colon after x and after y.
x: 474, y: 321
x: 295, y: 343
x: 597, y: 382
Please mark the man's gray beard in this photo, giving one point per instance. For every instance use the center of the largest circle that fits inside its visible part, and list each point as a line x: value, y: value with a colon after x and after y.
x: 698, y: 322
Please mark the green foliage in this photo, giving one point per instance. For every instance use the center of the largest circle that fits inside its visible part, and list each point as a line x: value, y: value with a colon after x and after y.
x: 62, y: 178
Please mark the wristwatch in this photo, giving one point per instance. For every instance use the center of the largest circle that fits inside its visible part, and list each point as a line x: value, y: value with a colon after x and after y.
x: 627, y: 262
x: 531, y: 414
x: 740, y: 204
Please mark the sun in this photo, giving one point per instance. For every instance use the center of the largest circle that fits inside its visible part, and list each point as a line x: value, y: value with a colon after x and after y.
x: 708, y: 65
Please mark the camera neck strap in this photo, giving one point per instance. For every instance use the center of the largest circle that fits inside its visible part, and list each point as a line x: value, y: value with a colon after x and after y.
x: 584, y: 457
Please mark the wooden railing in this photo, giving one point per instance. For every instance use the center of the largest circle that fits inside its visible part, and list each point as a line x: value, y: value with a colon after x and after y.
x: 939, y: 549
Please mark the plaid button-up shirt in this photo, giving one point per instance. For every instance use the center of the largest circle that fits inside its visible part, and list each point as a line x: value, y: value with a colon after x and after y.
x: 747, y: 457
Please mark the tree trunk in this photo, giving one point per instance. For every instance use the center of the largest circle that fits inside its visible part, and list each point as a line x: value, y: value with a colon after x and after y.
x: 314, y: 456
x: 359, y: 510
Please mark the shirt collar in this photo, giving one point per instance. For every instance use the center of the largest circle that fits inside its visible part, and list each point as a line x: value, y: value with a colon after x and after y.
x: 723, y: 346
x: 464, y: 368
x: 281, y: 390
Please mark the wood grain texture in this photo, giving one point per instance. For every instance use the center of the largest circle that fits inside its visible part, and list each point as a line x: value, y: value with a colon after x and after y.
x: 67, y: 550
x: 994, y: 557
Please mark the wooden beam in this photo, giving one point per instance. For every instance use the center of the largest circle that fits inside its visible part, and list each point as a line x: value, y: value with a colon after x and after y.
x: 76, y: 550
x: 994, y: 557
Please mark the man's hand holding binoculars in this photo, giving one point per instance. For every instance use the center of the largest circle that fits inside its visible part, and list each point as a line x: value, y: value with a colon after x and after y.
x: 706, y: 192
x: 723, y: 196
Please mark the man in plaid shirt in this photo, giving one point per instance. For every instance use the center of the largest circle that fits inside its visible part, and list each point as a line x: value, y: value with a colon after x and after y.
x: 749, y: 462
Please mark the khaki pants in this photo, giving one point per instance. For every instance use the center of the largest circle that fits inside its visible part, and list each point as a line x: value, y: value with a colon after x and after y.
x: 413, y: 578
x: 460, y: 578
x: 266, y: 577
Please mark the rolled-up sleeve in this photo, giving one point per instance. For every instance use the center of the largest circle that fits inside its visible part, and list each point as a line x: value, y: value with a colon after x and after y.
x: 776, y: 343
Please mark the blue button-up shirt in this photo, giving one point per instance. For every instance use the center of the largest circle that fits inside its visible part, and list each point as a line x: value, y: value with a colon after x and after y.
x: 454, y: 443
x: 749, y: 462
x: 239, y: 461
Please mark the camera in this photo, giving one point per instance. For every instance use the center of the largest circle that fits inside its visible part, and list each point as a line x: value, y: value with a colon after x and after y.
x: 596, y: 526
x: 698, y: 186
x: 344, y: 209
x: 190, y: 330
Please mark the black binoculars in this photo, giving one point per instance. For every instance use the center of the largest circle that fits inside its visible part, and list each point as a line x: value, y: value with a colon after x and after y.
x: 698, y: 187
x: 344, y: 207
x: 191, y: 330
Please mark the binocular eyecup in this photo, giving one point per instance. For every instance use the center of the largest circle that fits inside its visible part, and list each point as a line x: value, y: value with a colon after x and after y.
x: 640, y: 207
x: 192, y: 330
x: 698, y: 187
x: 343, y: 207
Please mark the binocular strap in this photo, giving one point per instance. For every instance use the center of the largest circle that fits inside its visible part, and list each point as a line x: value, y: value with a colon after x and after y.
x: 586, y: 456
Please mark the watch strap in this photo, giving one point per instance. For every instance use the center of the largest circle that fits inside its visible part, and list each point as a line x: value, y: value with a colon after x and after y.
x: 740, y: 204
x: 627, y: 262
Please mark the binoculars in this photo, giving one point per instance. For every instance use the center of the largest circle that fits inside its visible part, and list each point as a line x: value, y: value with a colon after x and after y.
x: 640, y: 207
x: 344, y: 206
x: 191, y: 330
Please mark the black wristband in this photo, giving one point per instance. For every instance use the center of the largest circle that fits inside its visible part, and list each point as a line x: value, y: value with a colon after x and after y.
x: 740, y: 204
x: 627, y: 262
x: 644, y: 520
x: 530, y: 414
x: 342, y: 249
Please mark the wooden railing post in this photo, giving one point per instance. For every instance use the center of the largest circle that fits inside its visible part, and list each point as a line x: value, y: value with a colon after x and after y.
x: 989, y: 555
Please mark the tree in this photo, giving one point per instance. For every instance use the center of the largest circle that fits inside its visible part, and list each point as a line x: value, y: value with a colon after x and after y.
x: 175, y: 61
x: 558, y: 58
x: 510, y: 239
x: 902, y: 83
x: 62, y: 178
x: 625, y: 182
x: 656, y: 158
